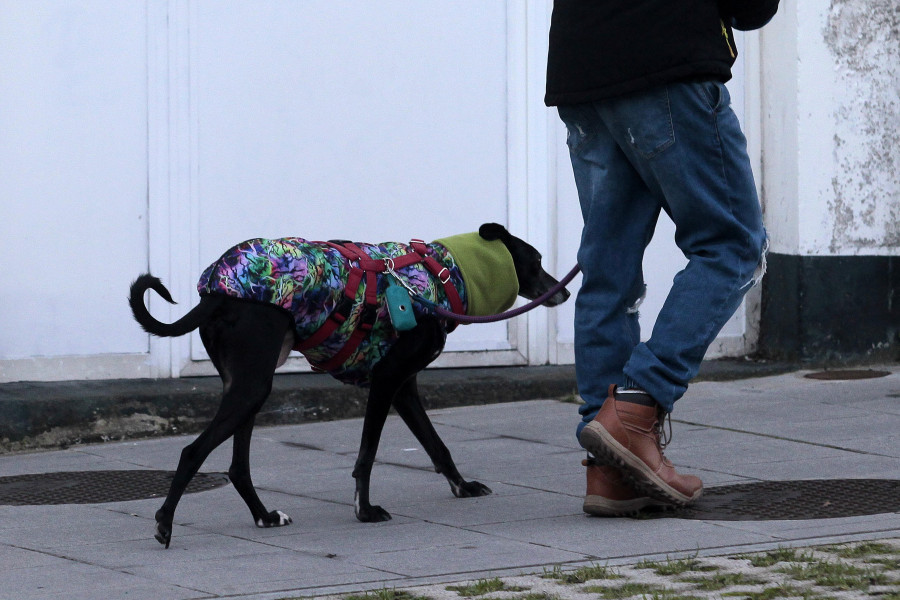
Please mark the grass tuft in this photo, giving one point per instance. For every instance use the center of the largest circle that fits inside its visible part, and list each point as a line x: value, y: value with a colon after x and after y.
x: 625, y: 590
x: 720, y: 581
x: 538, y: 596
x: 670, y: 595
x: 482, y: 587
x: 864, y: 550
x: 890, y: 564
x: 676, y: 567
x: 386, y: 594
x: 581, y: 574
x: 779, y: 555
x: 836, y: 575
x: 777, y: 592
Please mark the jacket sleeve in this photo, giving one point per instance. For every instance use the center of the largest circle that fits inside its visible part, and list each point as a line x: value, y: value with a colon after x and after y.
x: 748, y: 14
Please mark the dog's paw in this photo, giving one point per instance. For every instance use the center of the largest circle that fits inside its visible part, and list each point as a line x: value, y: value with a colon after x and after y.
x: 276, y: 518
x: 372, y: 514
x: 470, y: 489
x: 163, y: 533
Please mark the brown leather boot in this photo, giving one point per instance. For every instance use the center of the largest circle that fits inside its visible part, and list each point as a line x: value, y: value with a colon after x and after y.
x: 609, y: 495
x: 627, y: 436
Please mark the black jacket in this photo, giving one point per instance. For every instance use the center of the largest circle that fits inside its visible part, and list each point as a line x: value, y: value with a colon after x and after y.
x: 604, y: 48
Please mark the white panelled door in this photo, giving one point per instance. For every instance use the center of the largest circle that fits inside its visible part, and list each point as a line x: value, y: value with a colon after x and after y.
x: 368, y: 121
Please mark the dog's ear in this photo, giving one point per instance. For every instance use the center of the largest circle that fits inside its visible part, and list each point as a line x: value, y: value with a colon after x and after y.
x: 493, y: 231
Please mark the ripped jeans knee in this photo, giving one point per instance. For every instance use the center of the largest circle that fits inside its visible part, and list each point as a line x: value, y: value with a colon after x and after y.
x: 761, y: 267
x: 633, y: 307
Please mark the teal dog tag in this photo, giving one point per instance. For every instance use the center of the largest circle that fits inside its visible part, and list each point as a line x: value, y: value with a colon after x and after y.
x: 400, y: 307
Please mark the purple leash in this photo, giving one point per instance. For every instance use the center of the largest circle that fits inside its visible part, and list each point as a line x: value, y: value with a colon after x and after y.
x: 515, y: 312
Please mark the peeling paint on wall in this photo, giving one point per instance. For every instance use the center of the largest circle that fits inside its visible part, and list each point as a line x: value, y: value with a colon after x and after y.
x: 864, y: 38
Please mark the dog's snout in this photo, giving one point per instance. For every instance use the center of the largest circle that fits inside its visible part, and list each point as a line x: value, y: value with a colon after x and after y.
x: 544, y: 283
x: 558, y: 298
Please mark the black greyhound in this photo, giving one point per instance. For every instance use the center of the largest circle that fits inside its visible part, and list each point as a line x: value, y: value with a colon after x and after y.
x: 247, y: 341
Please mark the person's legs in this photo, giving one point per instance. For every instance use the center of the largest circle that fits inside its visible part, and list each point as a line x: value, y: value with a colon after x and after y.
x: 619, y: 218
x: 705, y: 179
x: 619, y: 215
x: 686, y: 143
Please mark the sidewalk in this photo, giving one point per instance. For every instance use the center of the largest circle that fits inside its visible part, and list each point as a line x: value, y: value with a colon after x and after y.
x: 783, y: 428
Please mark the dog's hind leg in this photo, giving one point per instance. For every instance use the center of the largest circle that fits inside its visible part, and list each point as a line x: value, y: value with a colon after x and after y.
x: 409, y: 407
x: 239, y: 474
x: 245, y: 343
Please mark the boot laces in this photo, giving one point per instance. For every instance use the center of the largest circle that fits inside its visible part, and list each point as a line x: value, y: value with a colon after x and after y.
x: 663, y: 433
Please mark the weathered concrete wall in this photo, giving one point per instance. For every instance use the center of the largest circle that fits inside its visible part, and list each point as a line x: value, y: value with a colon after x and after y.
x: 863, y: 38
x: 831, y: 121
x: 831, y: 180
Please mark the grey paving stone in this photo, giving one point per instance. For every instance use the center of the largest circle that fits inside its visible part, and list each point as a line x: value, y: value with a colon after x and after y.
x: 477, y: 554
x: 50, y: 527
x: 263, y: 572
x: 75, y: 581
x: 605, y: 539
x: 470, y: 512
x: 13, y: 558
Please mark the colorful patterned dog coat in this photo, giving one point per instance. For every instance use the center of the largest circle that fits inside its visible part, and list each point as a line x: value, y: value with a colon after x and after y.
x: 307, y: 279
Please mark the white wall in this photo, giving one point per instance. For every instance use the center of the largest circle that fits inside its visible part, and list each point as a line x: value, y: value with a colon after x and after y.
x: 155, y: 134
x: 832, y: 143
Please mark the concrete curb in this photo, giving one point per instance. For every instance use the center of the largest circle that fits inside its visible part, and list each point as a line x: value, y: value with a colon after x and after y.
x: 45, y: 415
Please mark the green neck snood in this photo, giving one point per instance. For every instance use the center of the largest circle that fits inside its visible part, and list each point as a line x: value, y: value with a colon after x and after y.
x: 488, y: 270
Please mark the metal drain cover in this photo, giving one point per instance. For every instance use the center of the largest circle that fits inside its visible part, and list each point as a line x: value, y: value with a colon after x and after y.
x: 95, y: 487
x: 847, y: 374
x: 794, y: 500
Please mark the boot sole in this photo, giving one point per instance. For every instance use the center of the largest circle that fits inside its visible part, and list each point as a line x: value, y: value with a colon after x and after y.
x: 599, y: 506
x: 599, y: 442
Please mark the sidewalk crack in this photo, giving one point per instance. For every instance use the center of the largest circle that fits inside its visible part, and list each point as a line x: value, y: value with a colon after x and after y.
x: 782, y: 438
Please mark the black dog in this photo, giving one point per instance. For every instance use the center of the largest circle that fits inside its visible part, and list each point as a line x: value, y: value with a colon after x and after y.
x: 248, y: 340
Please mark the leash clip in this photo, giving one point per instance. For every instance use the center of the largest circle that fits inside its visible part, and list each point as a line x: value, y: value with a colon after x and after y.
x: 389, y: 267
x: 399, y: 300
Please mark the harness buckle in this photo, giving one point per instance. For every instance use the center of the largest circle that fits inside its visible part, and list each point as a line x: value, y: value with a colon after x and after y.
x: 444, y: 275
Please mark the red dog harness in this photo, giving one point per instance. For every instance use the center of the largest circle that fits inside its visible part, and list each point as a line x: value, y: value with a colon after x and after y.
x: 362, y: 267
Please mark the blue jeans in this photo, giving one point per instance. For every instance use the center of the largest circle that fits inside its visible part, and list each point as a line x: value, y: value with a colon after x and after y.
x: 677, y: 148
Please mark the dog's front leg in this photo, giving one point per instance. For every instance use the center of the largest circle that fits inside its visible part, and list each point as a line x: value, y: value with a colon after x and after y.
x: 376, y: 412
x: 412, y: 352
x: 409, y: 407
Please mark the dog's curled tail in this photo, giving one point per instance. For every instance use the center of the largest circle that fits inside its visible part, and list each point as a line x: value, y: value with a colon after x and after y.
x: 196, y: 317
